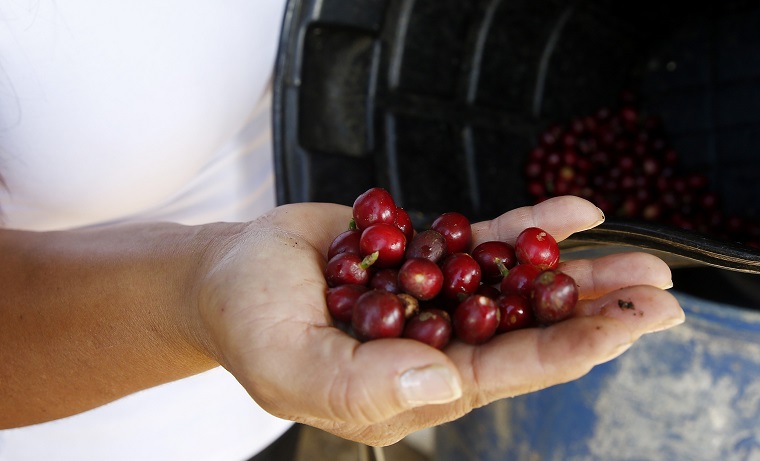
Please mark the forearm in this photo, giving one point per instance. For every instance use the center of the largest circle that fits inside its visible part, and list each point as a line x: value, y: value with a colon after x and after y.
x: 89, y: 316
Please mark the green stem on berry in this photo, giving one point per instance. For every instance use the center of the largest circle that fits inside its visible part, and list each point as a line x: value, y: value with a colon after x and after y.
x: 369, y: 260
x: 352, y: 224
x: 502, y: 268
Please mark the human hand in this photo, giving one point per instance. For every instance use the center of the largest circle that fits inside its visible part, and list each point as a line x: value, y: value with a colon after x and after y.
x: 263, y: 303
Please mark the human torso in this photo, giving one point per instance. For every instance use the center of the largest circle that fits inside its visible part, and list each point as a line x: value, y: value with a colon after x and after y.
x: 115, y: 111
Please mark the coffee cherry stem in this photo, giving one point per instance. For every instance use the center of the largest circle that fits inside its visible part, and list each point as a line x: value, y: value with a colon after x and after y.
x: 352, y: 224
x: 369, y: 260
x: 502, y: 268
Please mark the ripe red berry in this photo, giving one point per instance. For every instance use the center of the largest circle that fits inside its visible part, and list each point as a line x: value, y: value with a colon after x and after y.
x: 515, y: 313
x: 404, y: 222
x: 385, y: 279
x: 455, y: 227
x: 519, y: 280
x: 348, y: 269
x: 374, y: 206
x: 554, y: 296
x: 430, y: 326
x: 428, y: 244
x: 420, y: 278
x: 345, y: 242
x: 377, y: 314
x: 475, y: 319
x: 537, y: 247
x: 385, y: 239
x: 461, y: 276
x: 494, y: 257
x: 341, y: 300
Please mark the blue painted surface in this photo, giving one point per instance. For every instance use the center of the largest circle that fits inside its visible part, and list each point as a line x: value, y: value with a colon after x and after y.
x: 690, y: 393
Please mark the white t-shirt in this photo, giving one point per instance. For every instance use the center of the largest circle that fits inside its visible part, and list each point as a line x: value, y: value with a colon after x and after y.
x: 143, y: 110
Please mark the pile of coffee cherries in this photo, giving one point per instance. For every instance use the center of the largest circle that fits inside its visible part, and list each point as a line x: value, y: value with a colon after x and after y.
x: 621, y: 160
x: 387, y: 280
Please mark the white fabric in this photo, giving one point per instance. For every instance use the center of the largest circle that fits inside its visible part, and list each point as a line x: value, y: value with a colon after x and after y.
x: 112, y: 110
x: 123, y: 111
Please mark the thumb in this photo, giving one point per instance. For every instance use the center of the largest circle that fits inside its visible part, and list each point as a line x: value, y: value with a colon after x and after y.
x: 366, y: 383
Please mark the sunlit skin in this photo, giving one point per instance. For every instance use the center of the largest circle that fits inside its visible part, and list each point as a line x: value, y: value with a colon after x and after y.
x: 178, y: 300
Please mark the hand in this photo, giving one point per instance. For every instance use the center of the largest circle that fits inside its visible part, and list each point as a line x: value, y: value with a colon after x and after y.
x: 263, y: 303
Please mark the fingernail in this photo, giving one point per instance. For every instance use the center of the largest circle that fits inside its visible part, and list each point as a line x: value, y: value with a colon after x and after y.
x: 429, y: 385
x: 669, y: 323
x: 601, y: 213
x: 599, y: 221
x: 668, y: 286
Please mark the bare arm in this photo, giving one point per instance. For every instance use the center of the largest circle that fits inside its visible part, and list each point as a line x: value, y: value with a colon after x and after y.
x: 89, y: 316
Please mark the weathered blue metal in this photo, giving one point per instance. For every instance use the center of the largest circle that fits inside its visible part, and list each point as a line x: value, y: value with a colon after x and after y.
x: 690, y: 393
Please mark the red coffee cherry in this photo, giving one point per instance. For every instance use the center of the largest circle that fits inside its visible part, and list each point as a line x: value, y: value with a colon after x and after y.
x: 374, y: 206
x: 455, y: 227
x: 475, y: 319
x: 536, y: 247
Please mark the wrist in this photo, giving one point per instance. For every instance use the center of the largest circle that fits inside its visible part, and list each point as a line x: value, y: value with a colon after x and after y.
x: 209, y: 247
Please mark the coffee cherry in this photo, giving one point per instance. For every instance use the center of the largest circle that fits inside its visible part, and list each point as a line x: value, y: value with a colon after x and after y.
x: 348, y: 269
x: 345, y: 242
x: 385, y: 239
x: 341, y: 300
x: 519, y: 280
x: 515, y: 313
x: 374, y: 206
x: 430, y: 326
x: 461, y: 276
x: 385, y: 279
x: 455, y: 227
x: 420, y: 278
x: 404, y: 222
x: 537, y: 247
x: 377, y: 314
x: 494, y: 258
x: 475, y: 319
x: 428, y: 244
x: 553, y: 297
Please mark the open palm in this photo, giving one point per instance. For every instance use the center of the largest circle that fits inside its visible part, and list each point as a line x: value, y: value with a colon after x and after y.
x: 263, y: 302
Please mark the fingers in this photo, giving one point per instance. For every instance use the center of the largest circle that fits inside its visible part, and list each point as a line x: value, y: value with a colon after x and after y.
x: 532, y: 359
x: 528, y: 360
x: 598, y: 276
x: 643, y: 309
x: 559, y: 216
x: 363, y: 384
